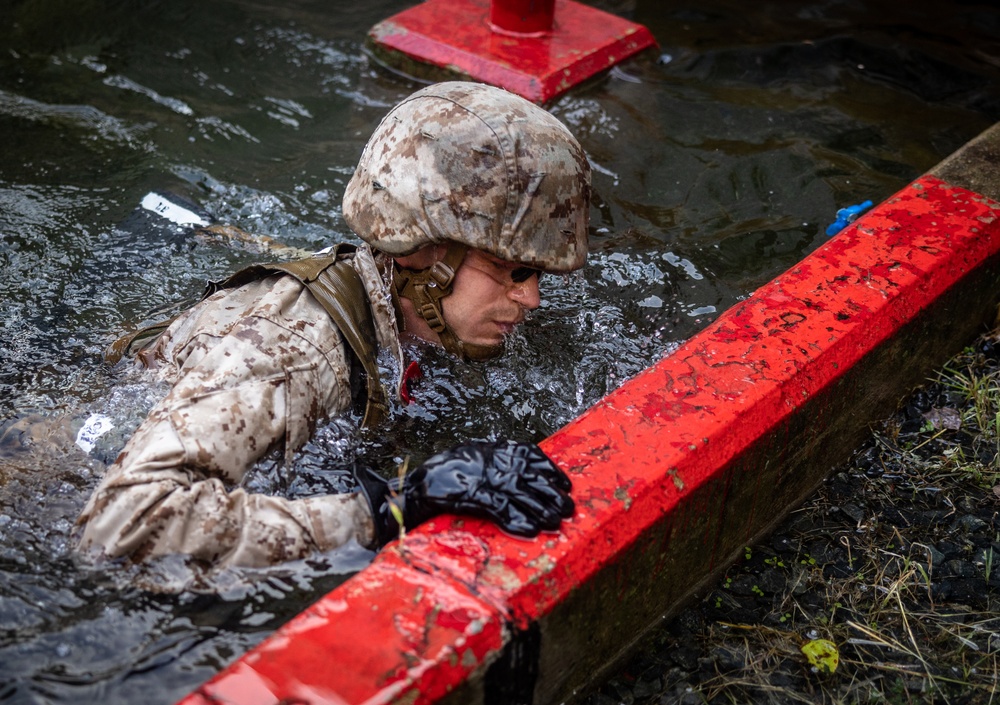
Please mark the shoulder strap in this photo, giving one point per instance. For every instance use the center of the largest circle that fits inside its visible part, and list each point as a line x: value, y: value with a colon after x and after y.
x: 338, y: 288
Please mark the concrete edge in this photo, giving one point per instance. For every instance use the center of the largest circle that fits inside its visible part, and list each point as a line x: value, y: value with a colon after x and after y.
x: 976, y: 166
x: 673, y: 474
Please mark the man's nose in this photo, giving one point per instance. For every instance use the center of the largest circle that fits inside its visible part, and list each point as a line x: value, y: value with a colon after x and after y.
x: 526, y: 293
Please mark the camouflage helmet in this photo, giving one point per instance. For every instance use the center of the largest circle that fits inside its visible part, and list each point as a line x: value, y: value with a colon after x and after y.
x: 477, y: 165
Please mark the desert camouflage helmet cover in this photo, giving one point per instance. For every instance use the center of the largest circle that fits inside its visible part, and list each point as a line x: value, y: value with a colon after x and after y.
x: 477, y: 165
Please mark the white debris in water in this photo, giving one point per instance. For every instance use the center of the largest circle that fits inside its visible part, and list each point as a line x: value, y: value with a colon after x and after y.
x: 94, y: 427
x: 171, y: 211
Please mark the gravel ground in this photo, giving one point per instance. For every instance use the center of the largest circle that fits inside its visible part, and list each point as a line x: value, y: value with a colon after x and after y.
x: 892, y: 570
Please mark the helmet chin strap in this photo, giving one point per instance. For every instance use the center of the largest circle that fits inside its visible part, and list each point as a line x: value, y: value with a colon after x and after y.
x: 425, y: 288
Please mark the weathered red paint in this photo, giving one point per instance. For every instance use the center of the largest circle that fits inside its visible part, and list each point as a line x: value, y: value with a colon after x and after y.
x: 524, y: 17
x: 651, y: 462
x: 457, y: 35
x: 393, y: 633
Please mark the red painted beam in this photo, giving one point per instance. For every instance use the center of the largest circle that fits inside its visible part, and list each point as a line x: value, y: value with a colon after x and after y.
x: 673, y: 473
x: 395, y: 632
x: 459, y: 36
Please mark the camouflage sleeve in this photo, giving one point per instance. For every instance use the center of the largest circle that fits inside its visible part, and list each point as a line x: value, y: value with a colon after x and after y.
x: 245, y: 383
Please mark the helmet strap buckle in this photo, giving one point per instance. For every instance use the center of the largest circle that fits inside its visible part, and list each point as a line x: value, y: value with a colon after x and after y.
x: 432, y: 313
x: 427, y: 287
x: 442, y: 274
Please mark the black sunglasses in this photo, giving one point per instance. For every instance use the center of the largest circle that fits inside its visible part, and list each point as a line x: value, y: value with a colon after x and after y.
x: 523, y: 274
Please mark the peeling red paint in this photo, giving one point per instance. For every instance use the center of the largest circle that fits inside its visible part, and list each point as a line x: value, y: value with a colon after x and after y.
x: 399, y: 632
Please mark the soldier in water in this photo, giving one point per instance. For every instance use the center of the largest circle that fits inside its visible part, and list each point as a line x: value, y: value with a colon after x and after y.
x: 464, y: 195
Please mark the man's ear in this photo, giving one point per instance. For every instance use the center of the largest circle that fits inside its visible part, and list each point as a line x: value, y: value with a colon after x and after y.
x: 423, y: 258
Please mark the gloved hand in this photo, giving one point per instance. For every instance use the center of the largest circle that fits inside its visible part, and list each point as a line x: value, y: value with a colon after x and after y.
x: 512, y: 484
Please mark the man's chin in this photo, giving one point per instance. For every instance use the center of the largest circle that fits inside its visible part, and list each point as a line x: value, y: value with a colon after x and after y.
x: 480, y: 352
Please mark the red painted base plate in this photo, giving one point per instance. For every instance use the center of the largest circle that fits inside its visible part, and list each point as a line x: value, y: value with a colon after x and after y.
x: 455, y: 35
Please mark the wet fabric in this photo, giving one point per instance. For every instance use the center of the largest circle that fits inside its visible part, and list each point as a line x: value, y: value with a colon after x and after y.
x: 252, y: 368
x: 338, y: 288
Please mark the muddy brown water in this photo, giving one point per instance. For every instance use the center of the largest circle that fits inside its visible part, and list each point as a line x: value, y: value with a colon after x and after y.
x: 718, y: 161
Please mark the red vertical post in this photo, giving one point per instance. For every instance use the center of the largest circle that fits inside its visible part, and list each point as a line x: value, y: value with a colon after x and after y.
x: 522, y: 17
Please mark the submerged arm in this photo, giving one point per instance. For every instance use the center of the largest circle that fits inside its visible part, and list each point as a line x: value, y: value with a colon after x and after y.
x: 245, y: 384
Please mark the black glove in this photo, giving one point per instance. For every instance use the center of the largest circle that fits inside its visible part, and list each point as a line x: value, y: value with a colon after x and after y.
x: 512, y: 484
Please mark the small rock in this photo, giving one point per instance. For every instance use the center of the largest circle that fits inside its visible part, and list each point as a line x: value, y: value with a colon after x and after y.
x: 647, y: 685
x: 689, y: 622
x: 929, y: 553
x: 818, y: 551
x: 967, y: 504
x: 686, y: 657
x: 941, y: 590
x: 853, y: 511
x: 947, y: 418
x: 959, y: 569
x: 744, y: 585
x: 625, y: 696
x: 970, y: 523
x: 772, y: 581
x: 689, y: 697
x: 868, y: 461
x: 782, y: 544
x: 728, y: 660
x: 919, y: 403
x: 966, y: 591
x: 951, y: 549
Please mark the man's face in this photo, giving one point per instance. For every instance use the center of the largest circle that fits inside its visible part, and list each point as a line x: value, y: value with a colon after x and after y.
x: 486, y: 303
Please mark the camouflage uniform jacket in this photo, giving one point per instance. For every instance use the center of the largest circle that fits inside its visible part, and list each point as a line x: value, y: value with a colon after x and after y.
x: 250, y: 368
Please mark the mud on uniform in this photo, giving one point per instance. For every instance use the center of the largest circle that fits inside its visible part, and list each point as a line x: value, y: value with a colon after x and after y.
x: 251, y: 368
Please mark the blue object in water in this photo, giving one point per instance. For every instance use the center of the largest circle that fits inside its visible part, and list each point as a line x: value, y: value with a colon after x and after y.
x: 845, y: 216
